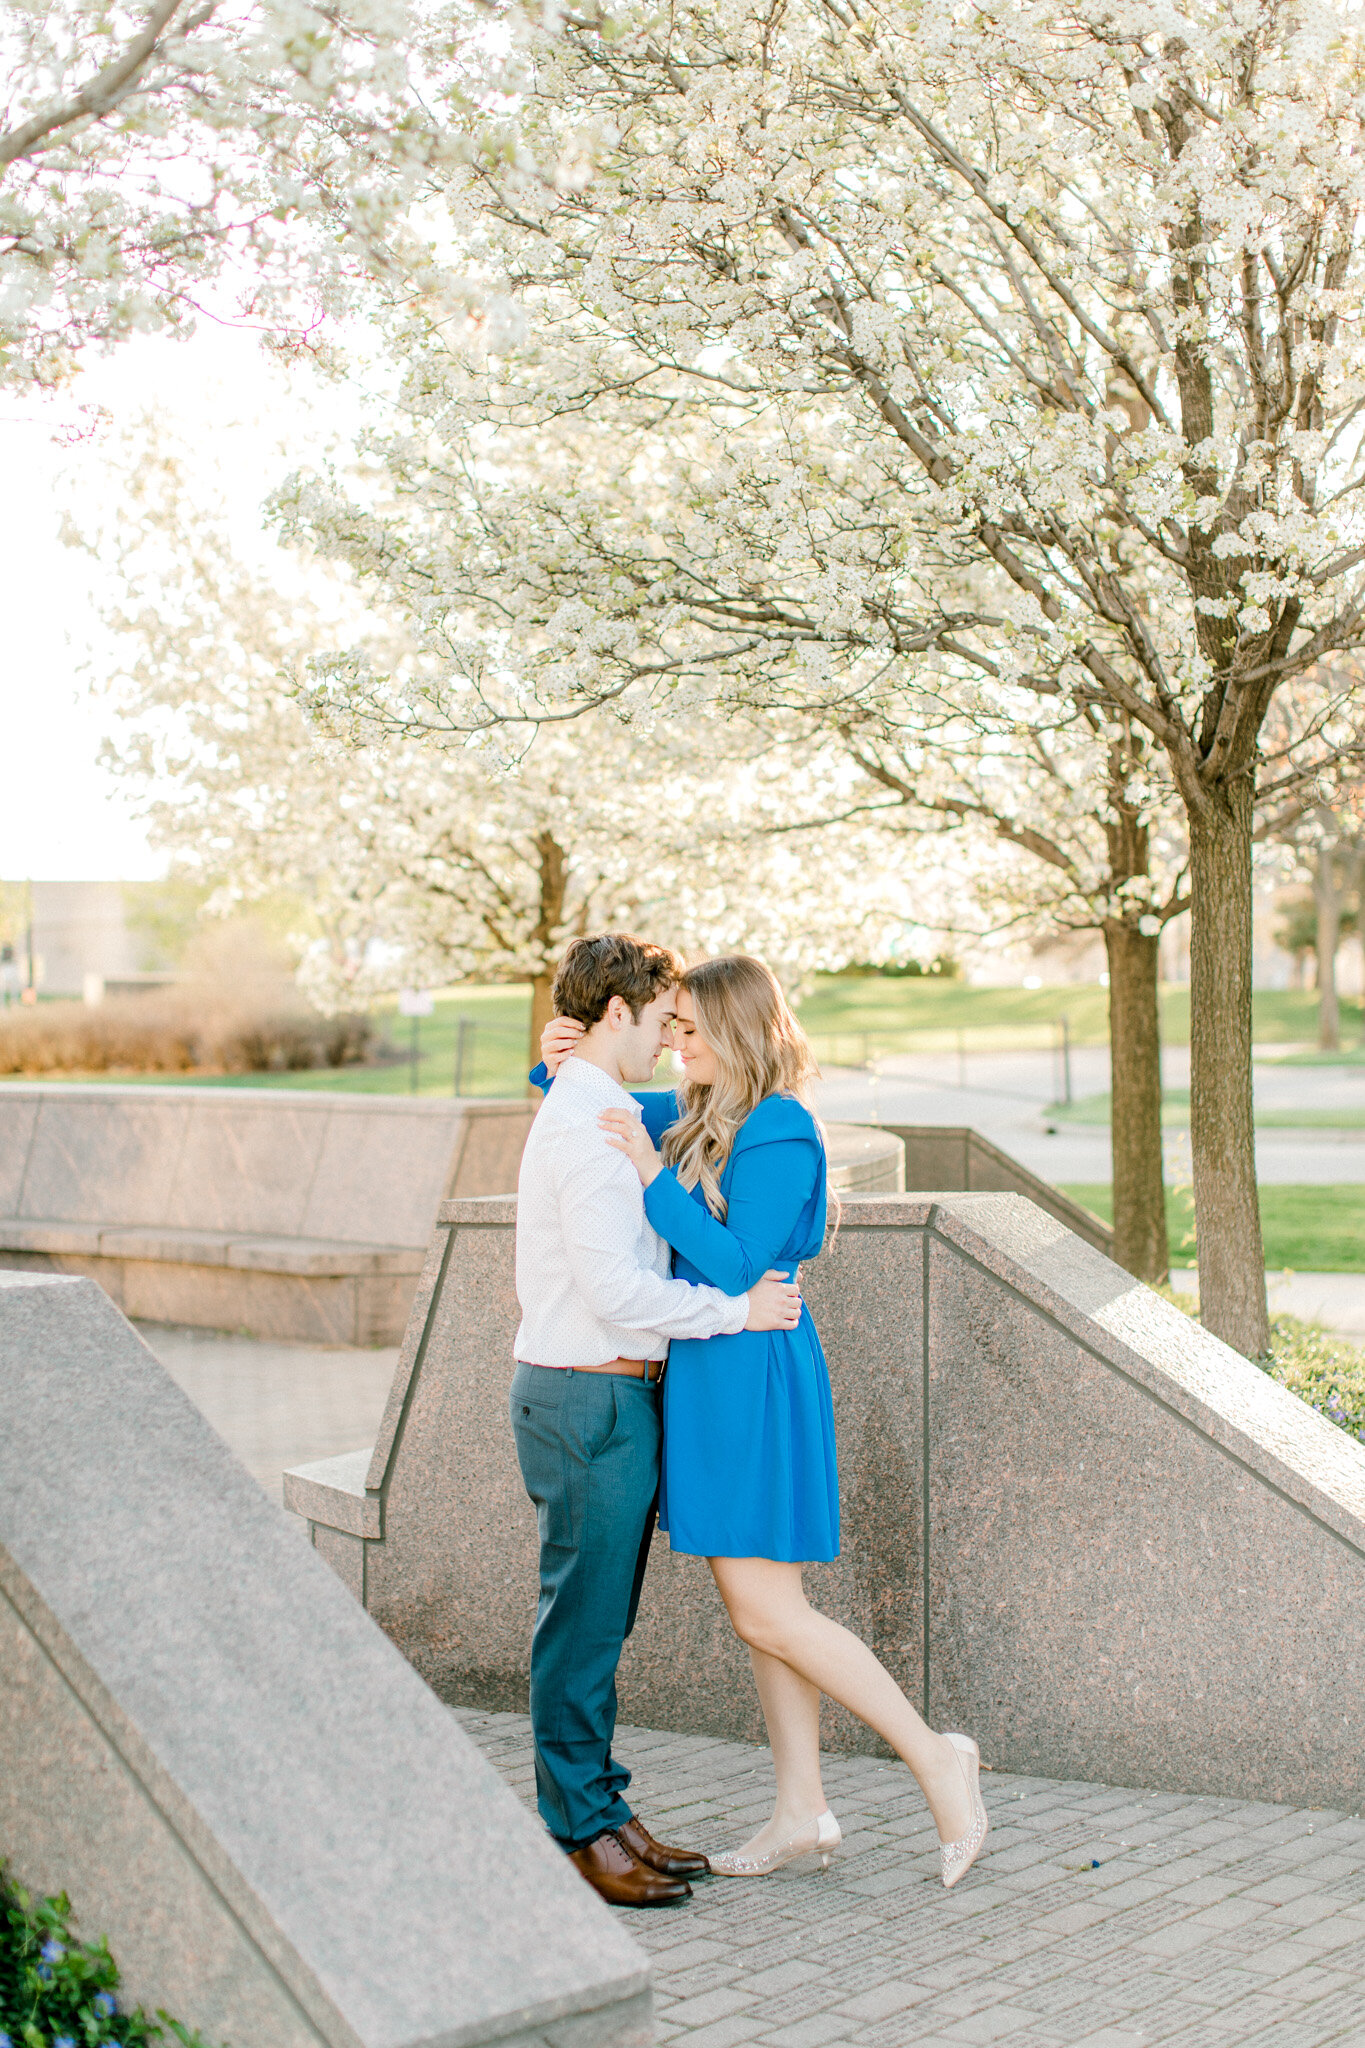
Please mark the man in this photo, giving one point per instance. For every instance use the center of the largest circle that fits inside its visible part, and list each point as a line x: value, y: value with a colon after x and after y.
x: 598, y: 1308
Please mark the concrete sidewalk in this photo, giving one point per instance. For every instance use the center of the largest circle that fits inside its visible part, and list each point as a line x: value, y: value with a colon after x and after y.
x: 276, y: 1405
x: 1006, y: 1096
x: 1098, y: 1917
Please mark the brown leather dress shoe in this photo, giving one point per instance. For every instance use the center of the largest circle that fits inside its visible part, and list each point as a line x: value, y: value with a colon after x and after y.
x: 620, y: 1877
x: 672, y: 1862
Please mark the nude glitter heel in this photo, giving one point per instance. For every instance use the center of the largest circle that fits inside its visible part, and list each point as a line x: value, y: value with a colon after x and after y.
x: 827, y: 1835
x: 957, y: 1858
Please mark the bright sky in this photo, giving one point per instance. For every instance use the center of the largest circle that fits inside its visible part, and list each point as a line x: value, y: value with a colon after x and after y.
x: 62, y: 816
x: 59, y: 815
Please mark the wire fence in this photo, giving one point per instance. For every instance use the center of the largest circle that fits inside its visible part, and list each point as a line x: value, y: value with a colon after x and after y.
x: 450, y: 1052
x: 453, y: 1052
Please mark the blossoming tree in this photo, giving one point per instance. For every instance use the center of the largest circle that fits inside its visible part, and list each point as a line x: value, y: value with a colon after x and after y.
x: 1020, y: 347
x: 1087, y: 838
x: 417, y: 858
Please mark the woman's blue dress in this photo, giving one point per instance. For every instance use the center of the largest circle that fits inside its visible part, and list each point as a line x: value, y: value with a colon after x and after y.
x: 749, y: 1461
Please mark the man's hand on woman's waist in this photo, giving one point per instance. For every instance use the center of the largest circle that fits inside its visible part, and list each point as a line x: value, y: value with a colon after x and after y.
x: 774, y: 1303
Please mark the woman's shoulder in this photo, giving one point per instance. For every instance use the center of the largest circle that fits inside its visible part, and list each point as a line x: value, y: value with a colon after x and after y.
x: 777, y: 1118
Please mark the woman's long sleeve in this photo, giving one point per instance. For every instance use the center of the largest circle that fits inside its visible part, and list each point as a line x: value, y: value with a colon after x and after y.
x: 658, y: 1109
x: 770, y: 1186
x: 658, y: 1106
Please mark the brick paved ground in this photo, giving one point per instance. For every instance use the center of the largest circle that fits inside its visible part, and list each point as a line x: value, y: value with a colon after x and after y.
x: 1212, y: 1923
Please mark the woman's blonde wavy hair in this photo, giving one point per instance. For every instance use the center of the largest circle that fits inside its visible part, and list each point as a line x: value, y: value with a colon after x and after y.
x: 760, y: 1050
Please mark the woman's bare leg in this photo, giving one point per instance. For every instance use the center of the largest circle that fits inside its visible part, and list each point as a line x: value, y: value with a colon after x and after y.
x: 768, y: 1610
x: 791, y: 1709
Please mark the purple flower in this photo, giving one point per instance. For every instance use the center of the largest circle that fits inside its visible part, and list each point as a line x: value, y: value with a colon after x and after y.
x: 106, y: 2005
x: 52, y: 1951
x: 64, y: 2041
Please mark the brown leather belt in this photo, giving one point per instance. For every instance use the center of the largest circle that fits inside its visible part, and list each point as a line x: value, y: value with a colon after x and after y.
x: 647, y: 1369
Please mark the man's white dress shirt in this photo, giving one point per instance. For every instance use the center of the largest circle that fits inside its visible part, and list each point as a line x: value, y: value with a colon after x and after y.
x: 592, y: 1273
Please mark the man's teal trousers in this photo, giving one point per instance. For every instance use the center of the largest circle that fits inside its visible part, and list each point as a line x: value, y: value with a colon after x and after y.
x: 588, y: 1446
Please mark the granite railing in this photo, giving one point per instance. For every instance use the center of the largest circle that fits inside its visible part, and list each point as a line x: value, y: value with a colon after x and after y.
x: 1074, y: 1522
x: 287, y: 1839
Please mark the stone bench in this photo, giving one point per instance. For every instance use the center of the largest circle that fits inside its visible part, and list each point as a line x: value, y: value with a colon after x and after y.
x: 281, y: 1212
x: 1074, y: 1522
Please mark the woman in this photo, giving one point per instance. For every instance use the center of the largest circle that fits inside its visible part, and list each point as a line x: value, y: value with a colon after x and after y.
x: 749, y: 1474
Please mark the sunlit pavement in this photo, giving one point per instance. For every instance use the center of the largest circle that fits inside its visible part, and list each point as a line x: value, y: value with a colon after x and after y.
x: 1336, y: 1300
x: 1097, y: 1918
x: 276, y: 1405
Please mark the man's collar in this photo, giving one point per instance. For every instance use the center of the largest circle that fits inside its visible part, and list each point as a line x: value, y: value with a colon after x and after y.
x: 593, y: 1080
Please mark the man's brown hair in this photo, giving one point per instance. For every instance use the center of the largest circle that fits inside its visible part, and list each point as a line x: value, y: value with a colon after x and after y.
x: 613, y: 964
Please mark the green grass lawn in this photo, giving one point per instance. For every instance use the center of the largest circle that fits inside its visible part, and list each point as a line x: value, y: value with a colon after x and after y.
x: 495, y: 1060
x: 851, y: 1017
x: 1175, y: 1112
x: 1309, y: 1229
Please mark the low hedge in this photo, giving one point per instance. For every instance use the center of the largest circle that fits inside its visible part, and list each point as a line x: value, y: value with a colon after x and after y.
x: 1321, y: 1370
x: 59, y: 1992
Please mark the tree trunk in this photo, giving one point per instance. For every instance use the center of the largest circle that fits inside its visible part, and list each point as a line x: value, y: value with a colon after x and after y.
x: 1135, y: 1093
x: 1232, y: 1299
x: 1328, y: 899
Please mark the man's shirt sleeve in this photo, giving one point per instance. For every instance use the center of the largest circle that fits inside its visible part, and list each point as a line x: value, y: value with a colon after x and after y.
x: 600, y: 1208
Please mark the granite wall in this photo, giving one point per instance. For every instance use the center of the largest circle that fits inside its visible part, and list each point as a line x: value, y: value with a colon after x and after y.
x: 953, y: 1158
x: 286, y: 1213
x: 203, y: 1739
x: 1074, y: 1522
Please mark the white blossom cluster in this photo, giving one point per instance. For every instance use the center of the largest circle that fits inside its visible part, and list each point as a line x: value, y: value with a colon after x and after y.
x: 149, y: 148
x: 416, y: 863
x: 864, y: 348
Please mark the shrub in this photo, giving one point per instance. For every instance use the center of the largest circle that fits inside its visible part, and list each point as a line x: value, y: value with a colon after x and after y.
x: 1312, y: 1363
x: 178, y: 1031
x: 1321, y: 1370
x: 942, y: 968
x: 59, y: 1992
x: 238, y: 1011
